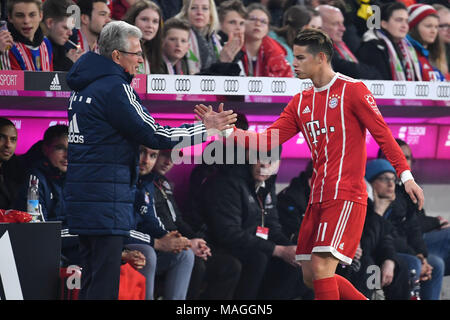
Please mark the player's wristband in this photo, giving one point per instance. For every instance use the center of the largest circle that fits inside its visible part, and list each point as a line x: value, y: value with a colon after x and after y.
x: 406, y: 175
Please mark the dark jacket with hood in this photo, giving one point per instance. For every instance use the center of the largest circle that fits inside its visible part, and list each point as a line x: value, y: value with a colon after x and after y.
x: 407, y: 233
x: 167, y: 209
x: 292, y: 203
x: 107, y: 123
x: 374, y: 52
x: 235, y: 210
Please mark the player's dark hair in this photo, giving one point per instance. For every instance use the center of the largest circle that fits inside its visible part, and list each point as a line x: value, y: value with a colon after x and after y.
x: 316, y: 41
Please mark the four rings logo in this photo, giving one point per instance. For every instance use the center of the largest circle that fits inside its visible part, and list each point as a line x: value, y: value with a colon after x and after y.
x: 443, y: 91
x: 158, y: 84
x: 399, y: 90
x: 422, y: 90
x: 306, y: 85
x: 208, y: 85
x: 377, y: 89
x: 231, y: 85
x: 279, y: 86
x: 255, y: 86
x: 182, y: 85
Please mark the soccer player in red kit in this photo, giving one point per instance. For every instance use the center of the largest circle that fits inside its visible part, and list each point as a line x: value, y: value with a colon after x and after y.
x: 333, y: 116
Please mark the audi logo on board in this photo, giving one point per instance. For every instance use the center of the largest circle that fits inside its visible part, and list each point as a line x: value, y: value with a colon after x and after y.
x: 306, y: 85
x: 279, y: 86
x: 255, y: 86
x: 443, y: 91
x: 377, y: 89
x: 158, y: 84
x: 231, y: 85
x: 208, y: 85
x: 422, y: 90
x: 399, y: 90
x: 182, y: 85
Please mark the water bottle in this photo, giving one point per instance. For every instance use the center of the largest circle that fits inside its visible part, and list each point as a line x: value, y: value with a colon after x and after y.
x: 33, y: 199
x: 414, y: 285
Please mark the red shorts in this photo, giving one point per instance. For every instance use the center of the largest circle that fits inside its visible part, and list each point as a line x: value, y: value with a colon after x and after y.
x: 333, y: 226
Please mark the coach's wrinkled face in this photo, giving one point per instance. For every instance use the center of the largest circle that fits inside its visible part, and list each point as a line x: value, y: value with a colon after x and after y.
x: 131, y: 58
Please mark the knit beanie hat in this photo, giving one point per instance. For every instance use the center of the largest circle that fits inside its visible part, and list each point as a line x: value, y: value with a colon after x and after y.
x: 376, y: 167
x: 418, y: 12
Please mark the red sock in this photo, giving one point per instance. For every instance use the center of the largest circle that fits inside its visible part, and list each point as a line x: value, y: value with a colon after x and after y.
x: 347, y: 291
x: 326, y: 289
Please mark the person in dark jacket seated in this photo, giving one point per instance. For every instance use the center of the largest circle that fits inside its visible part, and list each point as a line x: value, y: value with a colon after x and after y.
x: 107, y: 125
x: 378, y: 249
x: 435, y: 230
x: 402, y: 215
x: 50, y: 170
x: 172, y: 257
x: 214, y: 275
x: 292, y: 203
x: 242, y: 219
x: 11, y: 169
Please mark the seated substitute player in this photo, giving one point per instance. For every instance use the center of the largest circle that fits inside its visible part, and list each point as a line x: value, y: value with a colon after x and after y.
x: 333, y: 116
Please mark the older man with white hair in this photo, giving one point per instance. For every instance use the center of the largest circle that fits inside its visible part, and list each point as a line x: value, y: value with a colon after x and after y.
x: 107, y: 125
x: 344, y: 61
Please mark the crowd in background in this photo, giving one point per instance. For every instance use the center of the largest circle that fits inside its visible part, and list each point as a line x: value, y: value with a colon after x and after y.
x: 217, y: 248
x: 389, y: 40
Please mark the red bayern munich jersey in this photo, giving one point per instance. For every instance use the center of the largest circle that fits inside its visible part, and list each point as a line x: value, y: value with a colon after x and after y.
x: 333, y: 120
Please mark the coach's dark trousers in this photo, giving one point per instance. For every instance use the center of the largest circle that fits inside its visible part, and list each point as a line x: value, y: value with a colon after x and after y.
x: 100, y: 261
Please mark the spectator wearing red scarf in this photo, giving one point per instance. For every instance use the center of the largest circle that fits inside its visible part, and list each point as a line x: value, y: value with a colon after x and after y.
x: 264, y: 56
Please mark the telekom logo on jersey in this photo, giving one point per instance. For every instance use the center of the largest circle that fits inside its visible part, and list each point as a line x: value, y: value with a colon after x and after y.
x: 315, y: 130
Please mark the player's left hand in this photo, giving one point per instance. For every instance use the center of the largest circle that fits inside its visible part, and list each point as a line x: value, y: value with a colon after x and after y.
x: 415, y: 193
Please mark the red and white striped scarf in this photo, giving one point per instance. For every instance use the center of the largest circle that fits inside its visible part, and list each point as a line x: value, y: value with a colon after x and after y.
x: 44, y: 57
x: 171, y: 68
x: 345, y: 52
